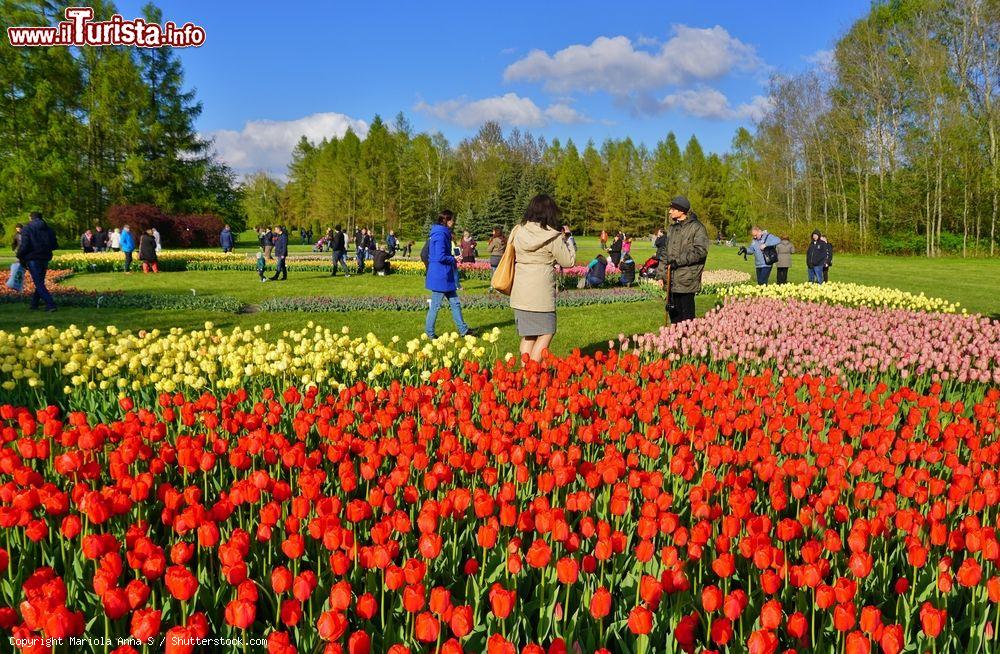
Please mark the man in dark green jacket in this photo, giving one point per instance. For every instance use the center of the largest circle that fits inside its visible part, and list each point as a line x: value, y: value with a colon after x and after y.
x: 686, y: 251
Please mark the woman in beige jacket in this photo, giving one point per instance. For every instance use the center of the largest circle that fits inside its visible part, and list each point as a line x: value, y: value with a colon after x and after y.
x: 539, y: 244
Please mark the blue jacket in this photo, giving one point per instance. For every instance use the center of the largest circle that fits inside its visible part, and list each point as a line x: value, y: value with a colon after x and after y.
x: 442, y: 269
x: 127, y: 242
x: 37, y: 242
x: 281, y: 244
x: 757, y: 246
x: 226, y: 239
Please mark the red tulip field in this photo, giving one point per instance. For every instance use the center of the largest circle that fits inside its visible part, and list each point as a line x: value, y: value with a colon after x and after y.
x: 606, y: 503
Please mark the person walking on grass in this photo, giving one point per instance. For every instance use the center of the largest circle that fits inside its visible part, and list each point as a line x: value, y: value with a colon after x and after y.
x: 360, y: 252
x: 391, y: 243
x: 570, y: 239
x: 261, y: 264
x: 604, y: 240
x: 128, y: 247
x: 147, y: 252
x: 338, y: 246
x: 369, y: 243
x: 495, y: 247
x: 785, y: 251
x: 615, y: 250
x: 34, y: 251
x: 226, y: 239
x: 764, y: 257
x: 539, y: 245
x: 468, y: 248
x: 280, y: 253
x: 442, y: 275
x: 816, y: 257
x: 100, y: 239
x: 156, y: 237
x: 267, y: 239
x: 87, y: 242
x: 685, y: 254
x: 115, y: 240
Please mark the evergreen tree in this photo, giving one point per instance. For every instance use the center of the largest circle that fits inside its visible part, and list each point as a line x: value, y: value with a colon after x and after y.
x: 174, y: 157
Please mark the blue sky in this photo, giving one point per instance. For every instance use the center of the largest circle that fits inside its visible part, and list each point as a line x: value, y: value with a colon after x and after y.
x: 270, y: 71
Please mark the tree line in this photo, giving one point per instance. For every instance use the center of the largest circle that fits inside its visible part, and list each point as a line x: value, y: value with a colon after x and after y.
x: 890, y: 146
x: 85, y: 129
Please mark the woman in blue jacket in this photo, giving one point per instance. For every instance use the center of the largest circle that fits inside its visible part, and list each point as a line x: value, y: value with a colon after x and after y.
x: 442, y: 274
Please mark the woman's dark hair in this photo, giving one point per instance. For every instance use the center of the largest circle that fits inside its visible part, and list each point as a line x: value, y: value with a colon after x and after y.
x: 497, y: 231
x: 445, y: 216
x: 543, y: 210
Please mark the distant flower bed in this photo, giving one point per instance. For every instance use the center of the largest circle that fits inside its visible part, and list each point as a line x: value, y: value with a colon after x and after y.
x: 342, y: 304
x: 52, y: 278
x: 713, y: 282
x: 169, y: 260
x: 848, y: 295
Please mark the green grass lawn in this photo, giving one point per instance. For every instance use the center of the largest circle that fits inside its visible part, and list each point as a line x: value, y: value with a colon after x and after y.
x: 245, y: 286
x: 972, y: 282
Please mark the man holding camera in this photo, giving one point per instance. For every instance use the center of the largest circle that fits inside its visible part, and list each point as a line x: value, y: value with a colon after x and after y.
x: 683, y: 259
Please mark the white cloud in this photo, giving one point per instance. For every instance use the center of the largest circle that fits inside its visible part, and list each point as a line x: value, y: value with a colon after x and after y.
x: 509, y: 109
x: 713, y: 104
x: 823, y: 59
x: 267, y: 144
x: 617, y: 66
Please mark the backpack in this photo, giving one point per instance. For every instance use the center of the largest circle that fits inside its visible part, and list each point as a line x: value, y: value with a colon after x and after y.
x: 425, y: 254
x: 770, y: 255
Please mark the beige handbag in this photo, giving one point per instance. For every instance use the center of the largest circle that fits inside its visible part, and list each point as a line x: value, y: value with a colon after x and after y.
x: 503, y: 276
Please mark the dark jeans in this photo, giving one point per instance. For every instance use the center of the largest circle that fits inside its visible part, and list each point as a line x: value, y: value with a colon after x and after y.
x: 826, y: 274
x: 340, y: 259
x: 361, y: 260
x: 763, y: 273
x: 816, y: 274
x: 683, y: 307
x: 281, y: 269
x: 37, y: 271
x: 782, y: 275
x: 128, y: 262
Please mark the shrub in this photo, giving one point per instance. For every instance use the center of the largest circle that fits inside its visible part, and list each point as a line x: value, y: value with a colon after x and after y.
x: 139, y: 218
x: 197, y: 230
x: 175, y: 231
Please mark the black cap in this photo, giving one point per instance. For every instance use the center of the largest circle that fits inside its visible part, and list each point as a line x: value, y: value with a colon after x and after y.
x: 680, y: 202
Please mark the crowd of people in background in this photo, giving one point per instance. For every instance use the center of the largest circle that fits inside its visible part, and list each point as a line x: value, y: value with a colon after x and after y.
x: 100, y: 240
x: 541, y: 244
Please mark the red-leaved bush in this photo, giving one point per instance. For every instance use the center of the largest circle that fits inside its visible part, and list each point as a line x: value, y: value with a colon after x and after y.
x: 177, y: 231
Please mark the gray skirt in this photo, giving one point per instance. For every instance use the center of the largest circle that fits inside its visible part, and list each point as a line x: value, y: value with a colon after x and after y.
x: 535, y: 323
